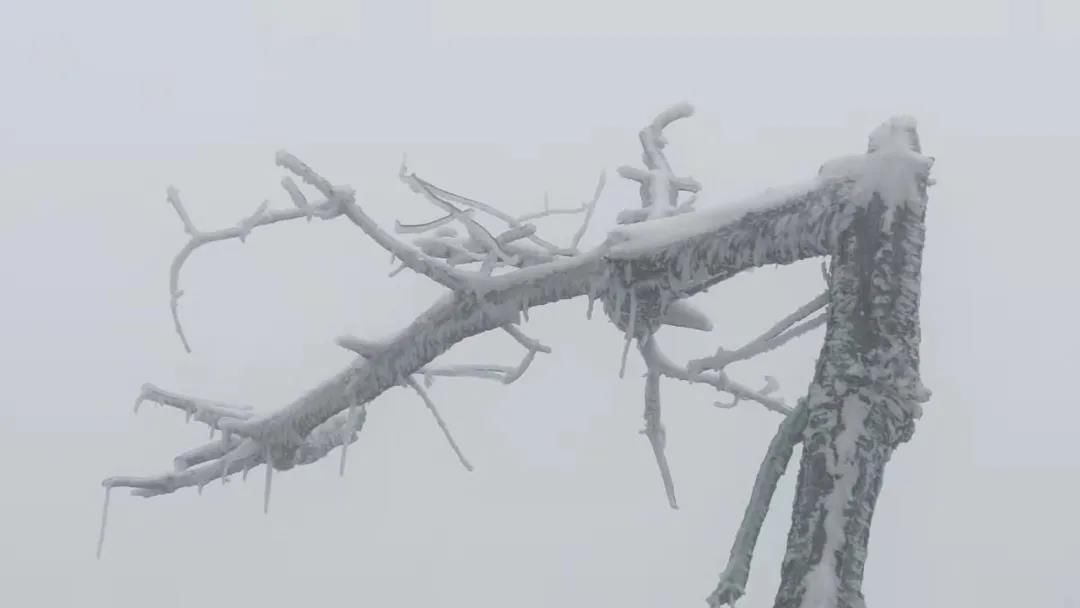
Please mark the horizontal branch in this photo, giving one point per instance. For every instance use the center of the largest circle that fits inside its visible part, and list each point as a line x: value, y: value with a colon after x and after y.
x: 675, y: 256
x: 689, y: 252
x: 208, y: 412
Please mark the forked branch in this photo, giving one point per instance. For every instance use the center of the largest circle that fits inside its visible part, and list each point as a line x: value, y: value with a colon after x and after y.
x: 328, y: 209
x: 481, y: 245
x: 675, y: 254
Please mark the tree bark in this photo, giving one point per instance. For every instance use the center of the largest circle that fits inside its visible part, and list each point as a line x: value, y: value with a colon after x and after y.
x: 862, y: 402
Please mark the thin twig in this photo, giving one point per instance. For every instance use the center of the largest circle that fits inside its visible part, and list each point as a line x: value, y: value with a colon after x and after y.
x: 413, y: 384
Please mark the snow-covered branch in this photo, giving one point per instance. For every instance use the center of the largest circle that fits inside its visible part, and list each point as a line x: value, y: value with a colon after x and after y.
x: 643, y: 272
x: 776, y: 336
x: 208, y: 412
x: 503, y: 374
x: 262, y: 216
x: 518, y: 245
x: 302, y: 433
x: 656, y: 359
x: 478, y: 303
x: 686, y: 253
x: 500, y: 373
x: 660, y: 187
x: 654, y: 430
x: 733, y: 579
x: 413, y: 384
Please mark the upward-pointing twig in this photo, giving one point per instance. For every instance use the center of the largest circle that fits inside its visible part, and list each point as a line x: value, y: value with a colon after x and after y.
x: 600, y: 183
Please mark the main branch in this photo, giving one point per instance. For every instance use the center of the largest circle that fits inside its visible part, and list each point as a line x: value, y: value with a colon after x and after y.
x: 643, y: 272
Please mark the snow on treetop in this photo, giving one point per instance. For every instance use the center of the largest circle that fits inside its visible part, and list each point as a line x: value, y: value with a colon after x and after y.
x: 898, y: 130
x: 632, y: 240
x: 892, y: 167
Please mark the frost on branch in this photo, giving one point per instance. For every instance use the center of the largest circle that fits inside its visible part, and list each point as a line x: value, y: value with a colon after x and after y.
x: 503, y: 374
x: 208, y: 412
x: 893, y: 169
x: 866, y: 393
x: 641, y: 298
x: 327, y: 209
x: 496, y: 266
x: 659, y: 186
x: 479, y: 301
x: 733, y: 579
x: 518, y: 245
x: 776, y: 336
x: 304, y: 433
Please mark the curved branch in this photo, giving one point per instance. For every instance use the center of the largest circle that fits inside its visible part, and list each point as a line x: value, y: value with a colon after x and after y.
x: 325, y: 210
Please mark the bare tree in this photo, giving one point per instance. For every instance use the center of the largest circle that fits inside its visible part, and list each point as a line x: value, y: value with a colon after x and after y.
x: 865, y: 213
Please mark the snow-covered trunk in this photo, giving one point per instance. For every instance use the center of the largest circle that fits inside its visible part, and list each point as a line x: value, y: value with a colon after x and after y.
x: 862, y: 402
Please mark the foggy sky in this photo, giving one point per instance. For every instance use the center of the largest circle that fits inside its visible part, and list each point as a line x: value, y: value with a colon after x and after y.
x: 105, y: 104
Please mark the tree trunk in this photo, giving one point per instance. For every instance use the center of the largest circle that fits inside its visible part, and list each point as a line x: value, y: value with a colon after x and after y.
x: 862, y: 402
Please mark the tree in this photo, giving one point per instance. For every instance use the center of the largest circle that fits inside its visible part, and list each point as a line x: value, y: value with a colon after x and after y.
x: 864, y: 212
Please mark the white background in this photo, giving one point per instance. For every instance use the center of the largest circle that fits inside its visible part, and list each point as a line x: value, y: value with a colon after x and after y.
x: 103, y: 104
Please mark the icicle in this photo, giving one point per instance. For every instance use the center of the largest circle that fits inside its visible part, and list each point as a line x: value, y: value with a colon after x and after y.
x: 350, y: 428
x: 269, y: 480
x: 344, y: 456
x: 592, y: 300
x: 654, y: 430
x: 104, y: 522
x: 629, y: 332
x: 243, y: 476
x: 212, y: 429
x: 525, y: 311
x: 625, y: 352
x: 620, y: 295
